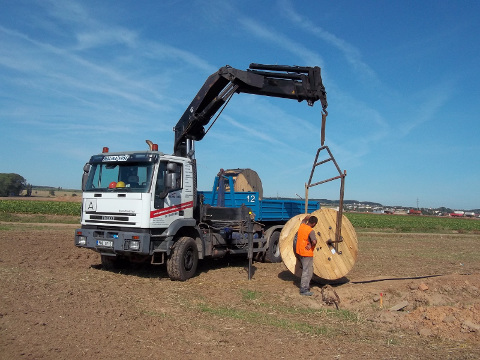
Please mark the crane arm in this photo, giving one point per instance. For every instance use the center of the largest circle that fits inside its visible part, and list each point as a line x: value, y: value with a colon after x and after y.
x: 290, y: 82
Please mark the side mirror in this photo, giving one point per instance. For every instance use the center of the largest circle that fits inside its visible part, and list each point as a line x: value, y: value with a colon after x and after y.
x: 169, y: 181
x: 86, y: 171
x: 171, y: 167
x: 171, y: 178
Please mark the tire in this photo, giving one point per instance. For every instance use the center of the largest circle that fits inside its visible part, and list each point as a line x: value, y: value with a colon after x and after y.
x: 273, y: 252
x: 113, y: 262
x: 183, y: 261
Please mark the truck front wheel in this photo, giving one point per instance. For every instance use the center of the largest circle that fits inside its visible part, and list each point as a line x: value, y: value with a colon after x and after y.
x: 273, y: 252
x: 183, y: 261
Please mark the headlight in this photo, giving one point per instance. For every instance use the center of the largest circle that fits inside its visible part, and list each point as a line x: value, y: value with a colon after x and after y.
x: 134, y: 245
x: 82, y: 240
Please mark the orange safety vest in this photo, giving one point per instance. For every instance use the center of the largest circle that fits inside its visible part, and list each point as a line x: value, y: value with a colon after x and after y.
x: 302, y: 240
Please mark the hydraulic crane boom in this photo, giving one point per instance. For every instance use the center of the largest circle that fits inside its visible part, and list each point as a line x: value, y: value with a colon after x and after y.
x: 290, y: 82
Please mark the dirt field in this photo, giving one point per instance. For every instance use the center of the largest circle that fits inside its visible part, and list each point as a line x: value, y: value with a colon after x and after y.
x: 58, y: 303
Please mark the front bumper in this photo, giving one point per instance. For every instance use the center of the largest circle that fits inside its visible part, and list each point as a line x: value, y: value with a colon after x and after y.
x: 113, y: 241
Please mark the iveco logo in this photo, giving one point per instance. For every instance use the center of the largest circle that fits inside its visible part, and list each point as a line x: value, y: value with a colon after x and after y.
x: 107, y: 217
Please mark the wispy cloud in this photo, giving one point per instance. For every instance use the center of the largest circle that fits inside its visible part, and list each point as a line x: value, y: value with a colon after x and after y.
x: 350, y: 52
x: 426, y: 105
x: 68, y: 70
x: 255, y: 132
x: 67, y: 11
x: 91, y: 33
x: 53, y: 68
x: 89, y: 82
x: 375, y: 127
x: 160, y: 51
x: 283, y: 42
x: 106, y: 37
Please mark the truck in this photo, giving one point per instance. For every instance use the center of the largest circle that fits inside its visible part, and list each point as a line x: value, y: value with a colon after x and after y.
x: 144, y: 206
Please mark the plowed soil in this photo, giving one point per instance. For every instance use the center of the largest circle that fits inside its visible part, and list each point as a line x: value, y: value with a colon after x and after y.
x: 409, y: 296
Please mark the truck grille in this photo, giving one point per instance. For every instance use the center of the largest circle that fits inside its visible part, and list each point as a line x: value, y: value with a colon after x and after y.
x: 107, y: 218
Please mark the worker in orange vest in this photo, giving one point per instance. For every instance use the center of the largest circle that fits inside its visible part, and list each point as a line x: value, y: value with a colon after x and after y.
x: 306, y: 242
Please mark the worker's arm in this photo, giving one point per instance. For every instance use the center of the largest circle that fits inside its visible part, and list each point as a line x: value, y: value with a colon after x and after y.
x: 312, y: 240
x: 305, y: 219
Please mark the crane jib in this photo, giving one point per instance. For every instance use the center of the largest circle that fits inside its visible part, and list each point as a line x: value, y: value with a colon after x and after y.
x: 282, y: 81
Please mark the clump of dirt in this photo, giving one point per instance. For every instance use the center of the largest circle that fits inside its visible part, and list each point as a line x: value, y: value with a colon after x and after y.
x: 447, y: 306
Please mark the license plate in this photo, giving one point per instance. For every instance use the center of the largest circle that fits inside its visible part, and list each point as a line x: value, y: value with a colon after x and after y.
x: 106, y: 243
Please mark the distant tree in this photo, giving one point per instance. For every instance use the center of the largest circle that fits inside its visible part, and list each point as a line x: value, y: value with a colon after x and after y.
x: 426, y: 211
x: 11, y: 184
x: 29, y: 190
x: 52, y: 192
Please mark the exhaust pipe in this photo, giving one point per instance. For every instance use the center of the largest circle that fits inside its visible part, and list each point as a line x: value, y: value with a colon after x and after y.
x: 150, y: 144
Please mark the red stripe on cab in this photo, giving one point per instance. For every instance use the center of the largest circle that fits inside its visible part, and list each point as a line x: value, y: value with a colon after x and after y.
x: 170, y: 209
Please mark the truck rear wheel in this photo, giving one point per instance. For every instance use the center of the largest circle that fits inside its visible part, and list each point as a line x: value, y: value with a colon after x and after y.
x: 183, y: 261
x: 273, y: 252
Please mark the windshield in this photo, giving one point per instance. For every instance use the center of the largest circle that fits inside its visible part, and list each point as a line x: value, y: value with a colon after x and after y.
x: 131, y: 177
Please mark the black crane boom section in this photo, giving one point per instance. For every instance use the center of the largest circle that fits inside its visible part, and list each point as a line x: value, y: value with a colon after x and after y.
x: 289, y: 82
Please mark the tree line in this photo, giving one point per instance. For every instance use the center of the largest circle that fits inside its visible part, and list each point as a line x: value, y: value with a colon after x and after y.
x: 13, y: 185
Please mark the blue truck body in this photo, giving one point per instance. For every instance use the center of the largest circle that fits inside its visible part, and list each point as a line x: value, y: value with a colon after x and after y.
x: 274, y: 210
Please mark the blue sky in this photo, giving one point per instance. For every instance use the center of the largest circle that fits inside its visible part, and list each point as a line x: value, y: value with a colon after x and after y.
x: 401, y: 78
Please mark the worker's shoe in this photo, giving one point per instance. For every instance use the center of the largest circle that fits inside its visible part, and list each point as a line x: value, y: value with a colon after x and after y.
x: 306, y: 293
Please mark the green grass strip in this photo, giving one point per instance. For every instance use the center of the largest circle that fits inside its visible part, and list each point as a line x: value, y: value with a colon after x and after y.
x: 264, y: 319
x: 40, y: 207
x: 412, y: 223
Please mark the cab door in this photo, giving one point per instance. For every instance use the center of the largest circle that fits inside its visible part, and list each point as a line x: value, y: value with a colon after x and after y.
x: 167, y: 199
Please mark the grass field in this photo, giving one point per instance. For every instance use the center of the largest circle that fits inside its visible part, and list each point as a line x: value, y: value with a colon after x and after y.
x: 413, y: 223
x: 10, y: 210
x: 40, y: 207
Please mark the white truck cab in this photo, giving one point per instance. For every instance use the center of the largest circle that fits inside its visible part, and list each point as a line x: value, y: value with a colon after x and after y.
x: 135, y: 203
x: 137, y: 190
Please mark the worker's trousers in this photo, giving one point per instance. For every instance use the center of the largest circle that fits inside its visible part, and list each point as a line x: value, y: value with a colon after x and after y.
x: 307, y: 272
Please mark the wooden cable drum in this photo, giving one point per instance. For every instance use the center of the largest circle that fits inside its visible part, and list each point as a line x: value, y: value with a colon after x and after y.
x: 246, y: 180
x: 327, y: 264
